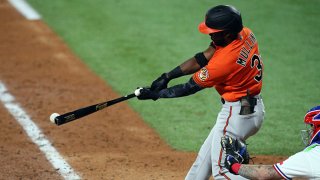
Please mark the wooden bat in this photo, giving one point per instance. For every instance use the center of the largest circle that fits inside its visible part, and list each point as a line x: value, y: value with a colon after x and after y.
x: 79, y: 113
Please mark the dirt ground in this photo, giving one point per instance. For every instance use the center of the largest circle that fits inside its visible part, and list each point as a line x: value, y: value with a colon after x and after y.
x: 44, y: 76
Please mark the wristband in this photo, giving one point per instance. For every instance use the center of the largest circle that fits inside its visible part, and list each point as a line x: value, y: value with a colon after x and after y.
x: 235, y: 168
x: 201, y: 59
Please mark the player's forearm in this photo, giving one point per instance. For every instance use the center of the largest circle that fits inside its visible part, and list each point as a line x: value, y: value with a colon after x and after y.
x: 190, y: 66
x: 180, y: 90
x: 193, y: 64
x: 258, y: 172
x: 199, y: 60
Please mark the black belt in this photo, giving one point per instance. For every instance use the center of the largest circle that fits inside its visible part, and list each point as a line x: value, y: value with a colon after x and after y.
x: 223, y: 101
x: 247, y: 104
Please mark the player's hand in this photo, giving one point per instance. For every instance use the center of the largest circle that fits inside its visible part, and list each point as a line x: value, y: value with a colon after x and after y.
x: 160, y: 83
x: 147, y: 93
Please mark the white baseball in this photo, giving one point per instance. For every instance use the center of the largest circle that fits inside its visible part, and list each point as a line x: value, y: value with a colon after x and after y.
x: 137, y: 92
x: 53, y: 116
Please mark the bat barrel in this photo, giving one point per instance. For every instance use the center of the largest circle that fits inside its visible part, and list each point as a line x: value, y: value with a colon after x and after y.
x: 79, y: 113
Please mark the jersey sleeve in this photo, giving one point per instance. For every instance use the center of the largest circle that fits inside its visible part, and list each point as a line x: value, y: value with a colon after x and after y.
x: 297, y: 165
x: 202, y: 78
x: 211, y: 75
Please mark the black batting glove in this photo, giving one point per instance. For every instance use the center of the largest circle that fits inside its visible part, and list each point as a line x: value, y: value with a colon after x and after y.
x: 147, y: 93
x: 160, y: 83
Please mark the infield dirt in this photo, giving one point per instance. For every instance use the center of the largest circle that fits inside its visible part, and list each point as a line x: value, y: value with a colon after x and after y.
x: 45, y: 77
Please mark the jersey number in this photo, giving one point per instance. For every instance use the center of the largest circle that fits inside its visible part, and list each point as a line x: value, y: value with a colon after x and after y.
x: 258, y: 65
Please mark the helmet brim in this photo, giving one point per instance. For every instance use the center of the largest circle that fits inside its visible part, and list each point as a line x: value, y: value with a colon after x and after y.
x: 203, y: 28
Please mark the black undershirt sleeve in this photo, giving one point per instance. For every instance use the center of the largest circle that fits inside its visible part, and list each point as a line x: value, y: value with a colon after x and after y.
x: 175, y: 73
x: 180, y: 90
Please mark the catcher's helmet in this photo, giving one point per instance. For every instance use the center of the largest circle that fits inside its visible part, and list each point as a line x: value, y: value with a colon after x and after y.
x: 313, y: 118
x: 221, y: 18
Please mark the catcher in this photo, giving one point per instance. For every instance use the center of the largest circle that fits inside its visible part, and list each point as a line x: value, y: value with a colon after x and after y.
x: 304, y: 164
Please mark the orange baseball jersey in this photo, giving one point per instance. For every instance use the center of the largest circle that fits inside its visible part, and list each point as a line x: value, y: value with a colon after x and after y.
x: 234, y: 69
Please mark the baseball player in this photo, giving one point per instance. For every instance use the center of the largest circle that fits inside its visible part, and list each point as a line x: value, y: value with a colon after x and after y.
x: 304, y: 164
x: 233, y: 66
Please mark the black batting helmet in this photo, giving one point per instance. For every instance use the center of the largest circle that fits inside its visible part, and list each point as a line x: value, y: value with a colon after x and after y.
x: 221, y: 18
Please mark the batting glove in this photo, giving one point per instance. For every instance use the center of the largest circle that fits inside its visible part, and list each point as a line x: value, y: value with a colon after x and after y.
x: 147, y: 93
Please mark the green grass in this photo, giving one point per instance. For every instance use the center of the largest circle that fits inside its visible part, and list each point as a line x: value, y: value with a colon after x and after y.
x: 130, y: 43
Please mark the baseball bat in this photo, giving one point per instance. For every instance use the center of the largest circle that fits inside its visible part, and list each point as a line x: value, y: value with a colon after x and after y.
x: 79, y: 113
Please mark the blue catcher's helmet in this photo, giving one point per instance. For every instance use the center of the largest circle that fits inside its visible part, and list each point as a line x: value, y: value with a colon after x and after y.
x: 312, y: 118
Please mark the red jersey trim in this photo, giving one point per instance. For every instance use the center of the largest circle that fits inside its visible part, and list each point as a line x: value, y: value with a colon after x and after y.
x: 221, y: 150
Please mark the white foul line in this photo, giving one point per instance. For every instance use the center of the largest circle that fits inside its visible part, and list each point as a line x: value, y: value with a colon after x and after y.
x: 25, y: 9
x: 35, y: 134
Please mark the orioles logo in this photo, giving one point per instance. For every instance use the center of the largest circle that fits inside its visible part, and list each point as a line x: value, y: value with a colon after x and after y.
x: 203, y: 74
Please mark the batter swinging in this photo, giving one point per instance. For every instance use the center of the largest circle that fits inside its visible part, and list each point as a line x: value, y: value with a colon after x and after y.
x: 233, y: 66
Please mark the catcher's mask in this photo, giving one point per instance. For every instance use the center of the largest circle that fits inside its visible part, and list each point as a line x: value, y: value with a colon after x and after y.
x: 221, y: 18
x: 312, y: 121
